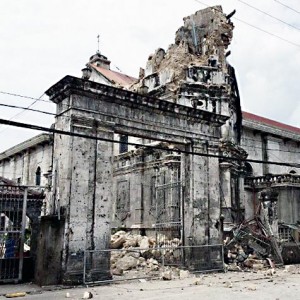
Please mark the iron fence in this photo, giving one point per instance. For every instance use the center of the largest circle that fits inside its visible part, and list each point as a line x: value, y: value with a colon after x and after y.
x: 109, y: 265
x: 13, y: 202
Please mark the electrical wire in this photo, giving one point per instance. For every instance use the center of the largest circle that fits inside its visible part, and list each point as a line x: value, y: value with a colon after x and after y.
x: 26, y: 108
x: 256, y: 27
x: 269, y: 15
x: 96, y: 138
x: 26, y: 97
x: 298, y: 12
x: 53, y: 114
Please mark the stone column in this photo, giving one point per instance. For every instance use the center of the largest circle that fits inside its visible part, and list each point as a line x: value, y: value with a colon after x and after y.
x: 214, y: 205
x: 83, y: 197
x: 225, y: 182
x: 102, y: 209
x: 25, y: 179
x: 202, y: 197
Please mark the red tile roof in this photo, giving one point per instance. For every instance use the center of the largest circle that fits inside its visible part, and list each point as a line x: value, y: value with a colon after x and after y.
x: 122, y: 79
x: 255, y: 118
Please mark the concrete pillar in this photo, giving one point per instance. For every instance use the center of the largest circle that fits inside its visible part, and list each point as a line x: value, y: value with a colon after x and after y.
x: 225, y: 182
x: 83, y: 197
x: 35, y: 228
x: 201, y: 198
x: 26, y: 160
x: 214, y: 205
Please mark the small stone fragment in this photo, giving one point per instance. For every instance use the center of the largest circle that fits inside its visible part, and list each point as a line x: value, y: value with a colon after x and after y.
x: 183, y: 274
x: 166, y: 275
x: 87, y: 295
x: 117, y: 272
x: 228, y: 284
x: 15, y: 295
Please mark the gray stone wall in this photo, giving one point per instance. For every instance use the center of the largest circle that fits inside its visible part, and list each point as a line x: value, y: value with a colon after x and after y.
x: 22, y: 166
x: 270, y: 147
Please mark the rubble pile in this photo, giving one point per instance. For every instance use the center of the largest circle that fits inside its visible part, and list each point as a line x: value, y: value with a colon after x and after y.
x: 251, y: 248
x: 239, y: 258
x: 203, y: 38
x: 136, y: 252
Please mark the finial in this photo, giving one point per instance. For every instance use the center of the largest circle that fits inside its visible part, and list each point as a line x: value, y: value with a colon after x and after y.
x: 98, y: 37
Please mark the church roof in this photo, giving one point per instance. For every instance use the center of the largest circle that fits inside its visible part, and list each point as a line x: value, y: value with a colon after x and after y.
x: 114, y: 76
x: 255, y: 118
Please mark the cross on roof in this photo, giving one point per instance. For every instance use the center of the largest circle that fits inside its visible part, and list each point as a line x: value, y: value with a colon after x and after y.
x: 98, y: 38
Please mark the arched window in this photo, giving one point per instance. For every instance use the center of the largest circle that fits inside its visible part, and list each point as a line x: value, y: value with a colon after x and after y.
x: 123, y: 143
x: 38, y: 176
x: 248, y: 169
x: 293, y: 172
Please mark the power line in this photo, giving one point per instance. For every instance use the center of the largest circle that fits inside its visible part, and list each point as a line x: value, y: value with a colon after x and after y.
x: 298, y: 12
x: 257, y: 28
x: 69, y: 133
x: 26, y: 97
x: 26, y: 108
x: 53, y: 114
x: 269, y: 15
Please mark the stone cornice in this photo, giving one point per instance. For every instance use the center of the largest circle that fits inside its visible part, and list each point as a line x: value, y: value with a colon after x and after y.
x: 69, y: 85
x: 266, y: 128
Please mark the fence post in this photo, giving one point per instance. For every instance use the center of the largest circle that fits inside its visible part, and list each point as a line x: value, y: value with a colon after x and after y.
x: 21, y: 248
x: 84, y: 266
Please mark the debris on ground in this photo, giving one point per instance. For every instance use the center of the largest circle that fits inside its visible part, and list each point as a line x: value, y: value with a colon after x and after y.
x: 136, y: 252
x: 87, y: 295
x: 15, y: 295
x: 251, y: 248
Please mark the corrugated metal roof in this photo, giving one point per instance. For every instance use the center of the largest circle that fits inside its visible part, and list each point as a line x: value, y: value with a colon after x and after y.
x: 269, y: 122
x: 117, y: 77
x: 5, y: 183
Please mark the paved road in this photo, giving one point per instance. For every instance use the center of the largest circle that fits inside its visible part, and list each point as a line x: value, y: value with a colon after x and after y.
x: 233, y: 286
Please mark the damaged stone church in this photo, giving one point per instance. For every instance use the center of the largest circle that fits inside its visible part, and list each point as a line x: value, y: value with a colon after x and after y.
x: 168, y: 152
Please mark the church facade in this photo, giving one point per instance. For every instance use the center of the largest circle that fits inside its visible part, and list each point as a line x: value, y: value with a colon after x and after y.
x: 169, y: 151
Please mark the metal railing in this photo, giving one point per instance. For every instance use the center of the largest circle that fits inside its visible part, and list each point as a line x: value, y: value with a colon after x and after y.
x: 13, y: 203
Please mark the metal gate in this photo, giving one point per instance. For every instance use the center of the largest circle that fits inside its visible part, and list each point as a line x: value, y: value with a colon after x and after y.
x: 13, y: 202
x: 168, y: 226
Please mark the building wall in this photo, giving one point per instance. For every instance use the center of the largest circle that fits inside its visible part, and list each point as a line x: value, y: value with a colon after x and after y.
x: 22, y: 166
x: 265, y: 146
x: 147, y: 189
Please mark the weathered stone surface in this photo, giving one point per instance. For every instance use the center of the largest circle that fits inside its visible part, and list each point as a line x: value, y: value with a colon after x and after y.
x: 228, y: 284
x: 118, y: 243
x: 131, y: 241
x: 184, y: 274
x: 144, y: 244
x: 135, y: 254
x: 87, y: 295
x: 291, y: 269
x: 257, y: 266
x: 167, y: 275
x: 126, y: 263
x: 117, y: 271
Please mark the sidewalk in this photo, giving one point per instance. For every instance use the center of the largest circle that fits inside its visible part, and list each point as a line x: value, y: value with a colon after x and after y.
x: 29, y: 288
x: 285, y: 284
